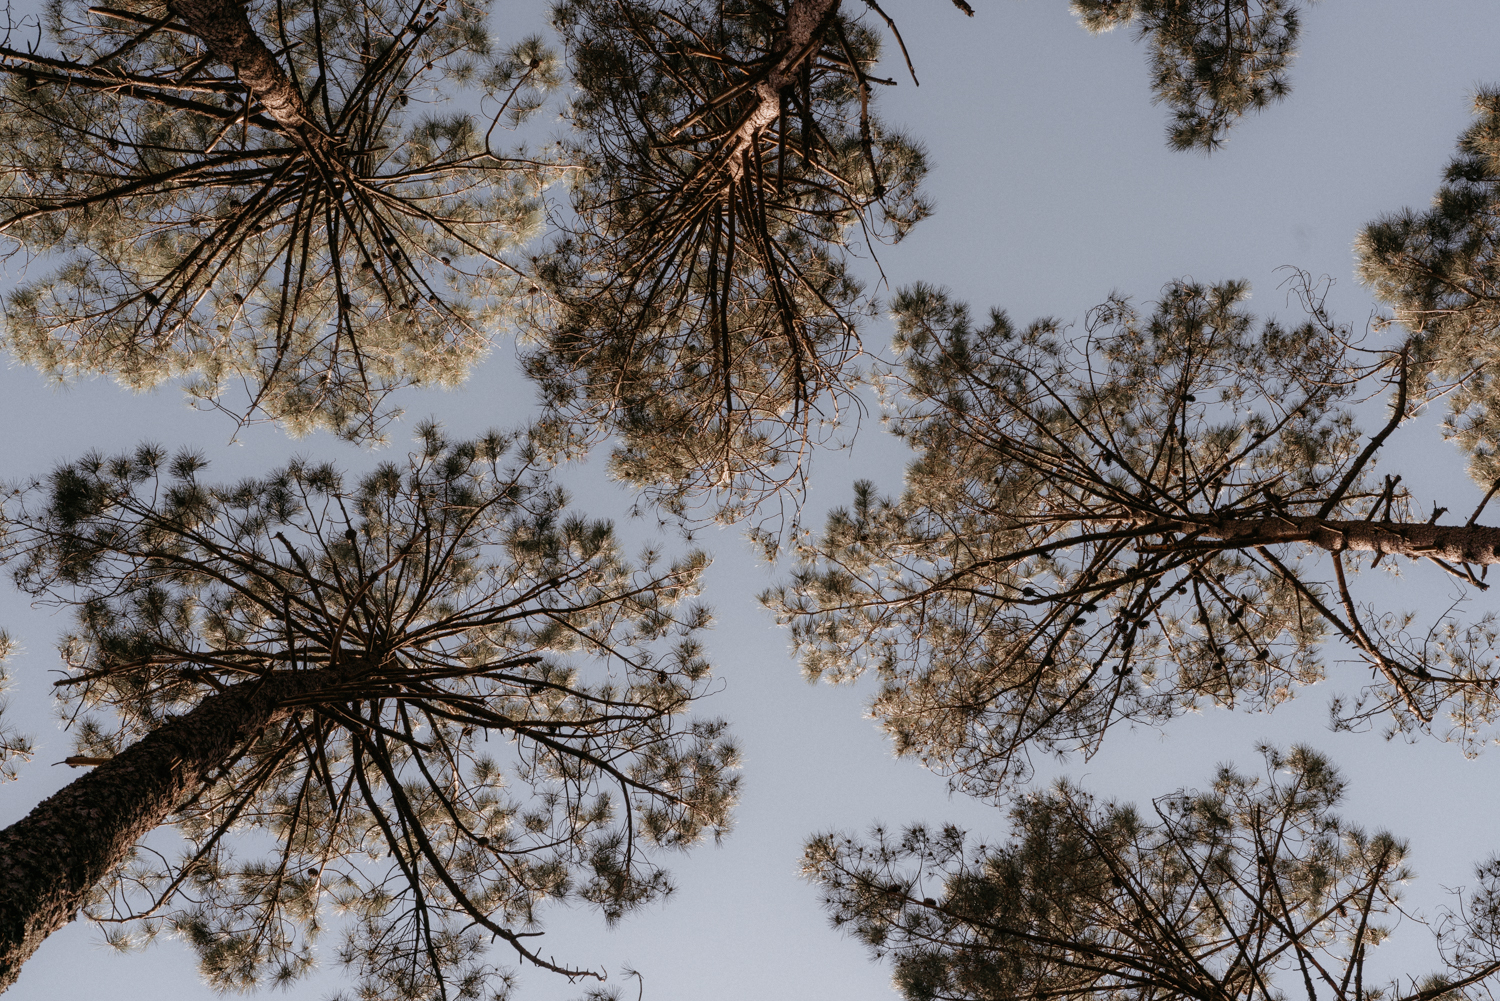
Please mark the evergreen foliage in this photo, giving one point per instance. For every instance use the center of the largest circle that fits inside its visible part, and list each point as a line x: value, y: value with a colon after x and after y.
x: 1440, y: 272
x: 700, y: 307
x: 1167, y: 513
x: 319, y: 223
x: 1212, y: 61
x: 1252, y: 887
x: 13, y: 744
x: 496, y: 714
x: 480, y: 705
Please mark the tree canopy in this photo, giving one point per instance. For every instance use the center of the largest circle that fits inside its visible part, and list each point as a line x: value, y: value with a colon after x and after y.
x: 280, y: 198
x: 1251, y: 887
x: 240, y: 195
x: 1168, y: 512
x: 433, y: 701
x: 470, y: 703
x: 701, y: 308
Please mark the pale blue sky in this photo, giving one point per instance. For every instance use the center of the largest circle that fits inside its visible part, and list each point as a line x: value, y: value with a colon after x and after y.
x: 1053, y: 187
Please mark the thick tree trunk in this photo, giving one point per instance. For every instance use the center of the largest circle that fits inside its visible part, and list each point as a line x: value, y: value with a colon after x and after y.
x: 223, y: 27
x: 1476, y: 544
x: 52, y: 858
x: 798, y: 43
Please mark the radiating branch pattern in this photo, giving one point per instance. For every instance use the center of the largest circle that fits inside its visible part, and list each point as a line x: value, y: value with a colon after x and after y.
x: 701, y: 307
x: 462, y: 702
x: 240, y: 195
x: 1167, y: 513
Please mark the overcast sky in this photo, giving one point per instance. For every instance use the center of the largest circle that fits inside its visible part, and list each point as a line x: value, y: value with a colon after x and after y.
x: 1053, y: 188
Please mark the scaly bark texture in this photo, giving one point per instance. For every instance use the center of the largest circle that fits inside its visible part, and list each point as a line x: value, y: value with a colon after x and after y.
x: 804, y: 28
x: 1476, y: 544
x: 226, y: 31
x: 799, y: 43
x: 50, y: 859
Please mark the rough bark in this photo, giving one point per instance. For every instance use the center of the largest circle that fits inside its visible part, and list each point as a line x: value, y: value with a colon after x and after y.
x: 798, y: 43
x: 1476, y: 544
x: 50, y: 859
x: 223, y: 27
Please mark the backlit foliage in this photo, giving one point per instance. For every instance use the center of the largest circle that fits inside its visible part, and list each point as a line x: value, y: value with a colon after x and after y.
x: 1440, y: 271
x: 700, y: 308
x: 1158, y: 517
x: 173, y: 226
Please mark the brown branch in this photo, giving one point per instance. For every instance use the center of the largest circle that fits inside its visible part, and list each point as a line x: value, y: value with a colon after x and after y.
x: 1398, y: 414
x: 805, y: 24
x: 1475, y: 544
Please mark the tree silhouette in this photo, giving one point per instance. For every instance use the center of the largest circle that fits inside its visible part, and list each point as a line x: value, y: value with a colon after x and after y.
x: 1170, y: 512
x: 700, y: 306
x: 242, y: 194
x: 1253, y: 887
x: 432, y: 701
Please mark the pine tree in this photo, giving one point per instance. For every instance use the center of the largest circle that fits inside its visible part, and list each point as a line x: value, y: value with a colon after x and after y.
x: 1253, y: 887
x: 432, y: 701
x: 1169, y: 512
x: 1440, y: 272
x: 1212, y: 61
x: 14, y: 745
x: 257, y: 195
x: 701, y: 307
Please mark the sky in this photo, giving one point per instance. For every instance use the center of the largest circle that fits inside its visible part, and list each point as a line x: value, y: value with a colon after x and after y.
x: 1053, y: 188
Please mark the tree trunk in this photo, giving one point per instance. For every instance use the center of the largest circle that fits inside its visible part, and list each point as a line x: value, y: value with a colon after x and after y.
x: 798, y: 43
x: 51, y: 859
x: 1476, y: 544
x: 223, y: 27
